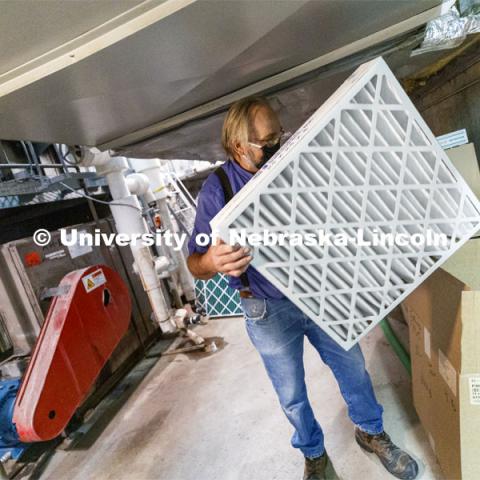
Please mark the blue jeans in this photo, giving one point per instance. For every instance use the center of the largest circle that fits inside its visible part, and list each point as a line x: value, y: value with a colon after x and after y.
x: 276, y: 329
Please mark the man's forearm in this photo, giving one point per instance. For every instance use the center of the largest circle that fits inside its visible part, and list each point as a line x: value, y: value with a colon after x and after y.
x: 200, y: 266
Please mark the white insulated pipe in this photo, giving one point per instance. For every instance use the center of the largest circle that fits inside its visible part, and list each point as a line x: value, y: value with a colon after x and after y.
x: 116, y: 183
x: 138, y: 184
x: 152, y: 168
x: 127, y: 213
x: 92, y: 157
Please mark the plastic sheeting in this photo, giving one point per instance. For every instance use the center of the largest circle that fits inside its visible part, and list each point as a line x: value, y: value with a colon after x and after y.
x: 451, y: 29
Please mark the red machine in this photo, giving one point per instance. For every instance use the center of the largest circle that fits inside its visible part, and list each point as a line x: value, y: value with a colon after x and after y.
x: 85, y: 322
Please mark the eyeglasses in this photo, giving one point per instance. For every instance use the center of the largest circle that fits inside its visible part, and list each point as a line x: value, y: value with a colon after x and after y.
x: 281, y: 138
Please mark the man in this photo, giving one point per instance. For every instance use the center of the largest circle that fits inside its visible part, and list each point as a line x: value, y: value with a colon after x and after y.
x: 251, y: 135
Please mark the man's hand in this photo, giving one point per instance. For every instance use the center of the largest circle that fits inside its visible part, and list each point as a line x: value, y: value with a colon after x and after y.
x: 228, y: 259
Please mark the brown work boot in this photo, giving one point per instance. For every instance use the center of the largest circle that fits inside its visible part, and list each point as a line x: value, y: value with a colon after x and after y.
x: 315, y: 468
x: 395, y: 460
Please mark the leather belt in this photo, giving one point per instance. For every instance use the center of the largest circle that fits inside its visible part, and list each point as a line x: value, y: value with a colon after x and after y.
x: 246, y: 294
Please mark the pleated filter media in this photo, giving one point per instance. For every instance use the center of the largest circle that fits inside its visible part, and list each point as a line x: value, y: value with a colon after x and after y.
x: 364, y: 161
x: 217, y: 298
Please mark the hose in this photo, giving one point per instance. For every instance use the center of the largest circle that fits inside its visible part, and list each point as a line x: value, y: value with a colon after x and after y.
x: 397, y: 346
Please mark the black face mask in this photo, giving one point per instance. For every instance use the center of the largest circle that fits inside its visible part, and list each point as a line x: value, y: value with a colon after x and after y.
x: 268, y: 153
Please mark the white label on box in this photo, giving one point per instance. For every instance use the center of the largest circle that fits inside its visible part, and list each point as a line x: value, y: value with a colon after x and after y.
x: 77, y: 250
x: 474, y: 390
x: 427, y: 343
x: 94, y: 280
x: 447, y: 372
x: 453, y: 139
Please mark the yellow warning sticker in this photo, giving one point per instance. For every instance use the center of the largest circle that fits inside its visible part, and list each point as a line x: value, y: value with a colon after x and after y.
x: 94, y: 280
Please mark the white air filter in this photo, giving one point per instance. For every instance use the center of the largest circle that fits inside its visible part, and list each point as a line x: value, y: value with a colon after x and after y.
x: 364, y: 160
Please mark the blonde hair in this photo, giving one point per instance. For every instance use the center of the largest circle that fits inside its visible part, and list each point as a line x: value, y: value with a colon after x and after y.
x: 236, y: 125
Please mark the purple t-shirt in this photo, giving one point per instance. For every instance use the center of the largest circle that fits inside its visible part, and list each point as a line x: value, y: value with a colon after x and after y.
x: 210, y: 201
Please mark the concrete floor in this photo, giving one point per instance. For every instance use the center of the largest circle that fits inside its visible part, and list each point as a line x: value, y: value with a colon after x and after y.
x: 215, y: 416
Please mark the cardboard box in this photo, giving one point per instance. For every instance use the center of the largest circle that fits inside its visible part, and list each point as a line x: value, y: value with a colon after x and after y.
x: 444, y: 324
x: 466, y: 163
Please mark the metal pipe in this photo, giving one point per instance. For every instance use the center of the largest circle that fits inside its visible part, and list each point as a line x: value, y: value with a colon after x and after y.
x: 29, y: 165
x: 27, y: 156
x: 34, y: 157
